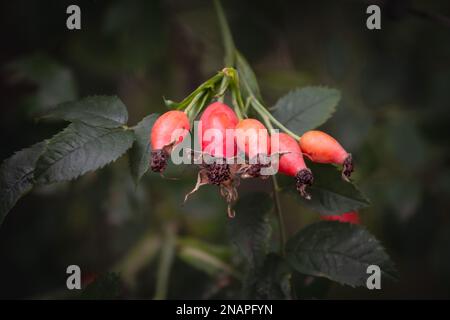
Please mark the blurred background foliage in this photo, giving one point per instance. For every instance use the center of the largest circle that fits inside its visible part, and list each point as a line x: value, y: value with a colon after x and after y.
x: 394, y: 117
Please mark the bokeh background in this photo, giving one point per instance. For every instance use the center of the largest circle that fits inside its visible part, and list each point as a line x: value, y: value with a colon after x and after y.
x: 394, y: 117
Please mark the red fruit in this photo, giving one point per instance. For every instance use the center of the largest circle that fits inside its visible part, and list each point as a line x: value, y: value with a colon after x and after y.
x: 323, y: 148
x: 291, y: 161
x: 163, y: 139
x: 350, y: 217
x: 252, y: 138
x: 216, y: 122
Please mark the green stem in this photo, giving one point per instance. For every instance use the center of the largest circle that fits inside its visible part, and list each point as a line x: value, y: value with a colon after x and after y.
x: 228, y: 42
x: 192, y: 104
x: 208, y: 84
x: 276, y: 197
x: 263, y: 111
x: 279, y: 213
x: 223, y: 87
x: 200, y: 105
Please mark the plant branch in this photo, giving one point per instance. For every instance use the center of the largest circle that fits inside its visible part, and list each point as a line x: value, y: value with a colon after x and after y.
x: 226, y: 35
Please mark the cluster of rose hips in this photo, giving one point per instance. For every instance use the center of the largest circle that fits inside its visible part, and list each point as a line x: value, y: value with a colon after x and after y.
x: 316, y: 145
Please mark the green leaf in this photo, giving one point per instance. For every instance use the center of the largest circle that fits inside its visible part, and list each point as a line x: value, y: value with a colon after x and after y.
x: 304, y: 109
x: 79, y: 149
x: 250, y: 229
x: 97, y: 111
x: 247, y: 77
x: 141, y: 150
x: 330, y: 194
x: 16, y: 176
x: 338, y: 251
x: 270, y: 281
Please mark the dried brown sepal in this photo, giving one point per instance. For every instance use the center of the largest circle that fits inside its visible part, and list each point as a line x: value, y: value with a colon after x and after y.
x: 252, y: 169
x: 228, y: 190
x: 347, y: 168
x: 304, y: 179
x: 158, y: 162
x: 217, y: 172
x: 223, y: 175
x: 159, y: 158
x: 202, y: 179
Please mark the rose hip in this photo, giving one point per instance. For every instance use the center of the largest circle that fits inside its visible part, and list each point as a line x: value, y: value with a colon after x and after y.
x: 164, y: 137
x: 291, y: 161
x: 253, y: 138
x: 323, y: 148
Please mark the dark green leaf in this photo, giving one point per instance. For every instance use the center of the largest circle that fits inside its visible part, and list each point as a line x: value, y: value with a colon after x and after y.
x: 249, y: 84
x: 140, y: 152
x: 310, y: 287
x: 338, y: 251
x: 16, y: 176
x: 98, y: 111
x: 79, y: 149
x: 304, y: 109
x: 270, y: 281
x: 330, y: 194
x: 250, y: 229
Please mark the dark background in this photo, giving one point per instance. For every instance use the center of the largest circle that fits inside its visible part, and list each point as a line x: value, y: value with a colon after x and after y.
x: 394, y: 118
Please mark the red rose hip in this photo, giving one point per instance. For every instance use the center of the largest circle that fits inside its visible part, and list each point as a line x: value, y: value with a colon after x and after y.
x: 217, y: 125
x: 291, y: 161
x: 323, y: 148
x: 168, y: 130
x: 253, y: 138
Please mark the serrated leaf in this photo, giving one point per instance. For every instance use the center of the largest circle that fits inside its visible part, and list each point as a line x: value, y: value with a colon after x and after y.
x: 250, y: 229
x: 79, y: 149
x: 97, y: 111
x: 270, y: 281
x: 329, y: 193
x: 16, y: 176
x: 304, y: 109
x: 247, y: 76
x: 141, y: 150
x: 338, y: 251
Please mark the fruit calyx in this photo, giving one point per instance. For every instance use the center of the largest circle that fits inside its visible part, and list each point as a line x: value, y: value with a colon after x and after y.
x: 347, y: 168
x: 303, y: 179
